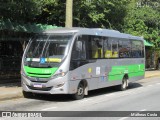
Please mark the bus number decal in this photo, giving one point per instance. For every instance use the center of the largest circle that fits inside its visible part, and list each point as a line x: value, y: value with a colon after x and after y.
x: 125, y: 71
x: 98, y: 70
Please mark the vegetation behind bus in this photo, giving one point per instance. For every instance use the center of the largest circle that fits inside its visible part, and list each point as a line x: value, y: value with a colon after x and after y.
x: 137, y: 17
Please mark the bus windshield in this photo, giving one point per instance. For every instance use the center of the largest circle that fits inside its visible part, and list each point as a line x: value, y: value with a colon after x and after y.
x: 47, y: 50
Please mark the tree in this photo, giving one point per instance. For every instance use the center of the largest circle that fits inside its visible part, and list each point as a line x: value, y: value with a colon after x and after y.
x: 137, y: 17
x: 86, y: 13
x: 99, y: 13
x: 53, y: 12
x: 143, y: 19
x: 20, y: 10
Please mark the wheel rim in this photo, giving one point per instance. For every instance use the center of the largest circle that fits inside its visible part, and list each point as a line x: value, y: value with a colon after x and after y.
x: 124, y: 85
x: 80, y: 91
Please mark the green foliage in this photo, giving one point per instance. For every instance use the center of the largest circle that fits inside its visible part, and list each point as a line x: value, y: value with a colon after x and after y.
x: 53, y: 12
x: 20, y: 10
x: 100, y: 13
x: 86, y: 13
x: 143, y: 19
x: 24, y: 27
x: 137, y: 17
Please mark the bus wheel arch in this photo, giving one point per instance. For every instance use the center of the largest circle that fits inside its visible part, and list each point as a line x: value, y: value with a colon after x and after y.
x: 85, y: 83
x: 82, y: 89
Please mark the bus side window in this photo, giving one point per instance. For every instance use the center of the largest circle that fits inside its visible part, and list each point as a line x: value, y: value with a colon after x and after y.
x: 137, y: 49
x: 78, y: 56
x: 94, y: 50
x: 107, y: 49
x: 96, y: 47
x: 111, y: 48
x: 115, y: 49
x: 124, y: 48
x: 78, y: 52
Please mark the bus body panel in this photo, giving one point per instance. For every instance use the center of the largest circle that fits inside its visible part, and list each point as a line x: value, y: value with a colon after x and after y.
x: 110, y: 72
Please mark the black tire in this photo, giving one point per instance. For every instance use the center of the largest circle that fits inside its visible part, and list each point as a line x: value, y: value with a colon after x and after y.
x: 27, y: 94
x: 124, y: 84
x: 80, y: 92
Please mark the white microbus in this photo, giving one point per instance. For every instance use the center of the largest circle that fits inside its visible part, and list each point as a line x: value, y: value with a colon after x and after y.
x: 77, y: 60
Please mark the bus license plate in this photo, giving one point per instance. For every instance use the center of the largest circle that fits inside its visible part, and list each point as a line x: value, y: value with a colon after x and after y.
x: 37, y: 85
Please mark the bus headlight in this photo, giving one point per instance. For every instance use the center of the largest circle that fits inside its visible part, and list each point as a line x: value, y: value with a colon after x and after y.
x: 62, y: 74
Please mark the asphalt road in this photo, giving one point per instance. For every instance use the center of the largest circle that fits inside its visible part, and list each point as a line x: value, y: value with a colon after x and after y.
x: 141, y: 96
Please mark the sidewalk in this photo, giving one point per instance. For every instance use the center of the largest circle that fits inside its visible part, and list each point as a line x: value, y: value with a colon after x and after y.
x: 14, y: 90
x: 153, y: 73
x: 10, y: 91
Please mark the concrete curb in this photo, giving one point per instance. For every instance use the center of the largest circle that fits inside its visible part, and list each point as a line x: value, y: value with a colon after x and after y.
x: 152, y: 76
x: 149, y: 74
x: 11, y: 96
x: 10, y: 91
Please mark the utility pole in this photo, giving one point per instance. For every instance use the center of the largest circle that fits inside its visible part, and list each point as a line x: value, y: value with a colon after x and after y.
x: 69, y: 13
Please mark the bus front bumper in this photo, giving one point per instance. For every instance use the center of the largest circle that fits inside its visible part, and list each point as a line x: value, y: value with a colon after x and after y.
x: 55, y: 86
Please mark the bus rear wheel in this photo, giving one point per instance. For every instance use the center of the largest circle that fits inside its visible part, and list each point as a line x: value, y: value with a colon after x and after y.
x: 80, y: 92
x: 124, y: 84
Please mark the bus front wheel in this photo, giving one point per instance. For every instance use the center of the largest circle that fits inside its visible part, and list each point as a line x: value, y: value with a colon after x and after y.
x: 27, y: 94
x: 80, y: 92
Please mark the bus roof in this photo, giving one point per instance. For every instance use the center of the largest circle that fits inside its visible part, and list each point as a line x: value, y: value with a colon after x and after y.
x: 94, y: 31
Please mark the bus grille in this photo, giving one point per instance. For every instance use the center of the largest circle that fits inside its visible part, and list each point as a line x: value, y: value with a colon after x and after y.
x: 42, y: 89
x: 39, y: 75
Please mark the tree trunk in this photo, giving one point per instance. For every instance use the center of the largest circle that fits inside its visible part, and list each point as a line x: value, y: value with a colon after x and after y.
x: 69, y: 13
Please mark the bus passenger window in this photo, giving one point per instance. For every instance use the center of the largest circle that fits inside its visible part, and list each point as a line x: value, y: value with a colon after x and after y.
x: 137, y: 49
x: 96, y: 48
x: 107, y: 49
x: 111, y: 48
x: 114, y: 50
x: 124, y: 48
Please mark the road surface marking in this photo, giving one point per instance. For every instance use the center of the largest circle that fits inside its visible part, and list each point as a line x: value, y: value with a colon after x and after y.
x: 158, y: 83
x: 123, y: 118
x: 142, y: 87
x: 48, y: 108
x: 85, y: 100
x: 130, y: 92
x: 143, y: 110
x: 112, y: 94
x: 149, y: 85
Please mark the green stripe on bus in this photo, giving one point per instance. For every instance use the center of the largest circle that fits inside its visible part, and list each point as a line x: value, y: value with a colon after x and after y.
x: 117, y: 72
x: 40, y: 72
